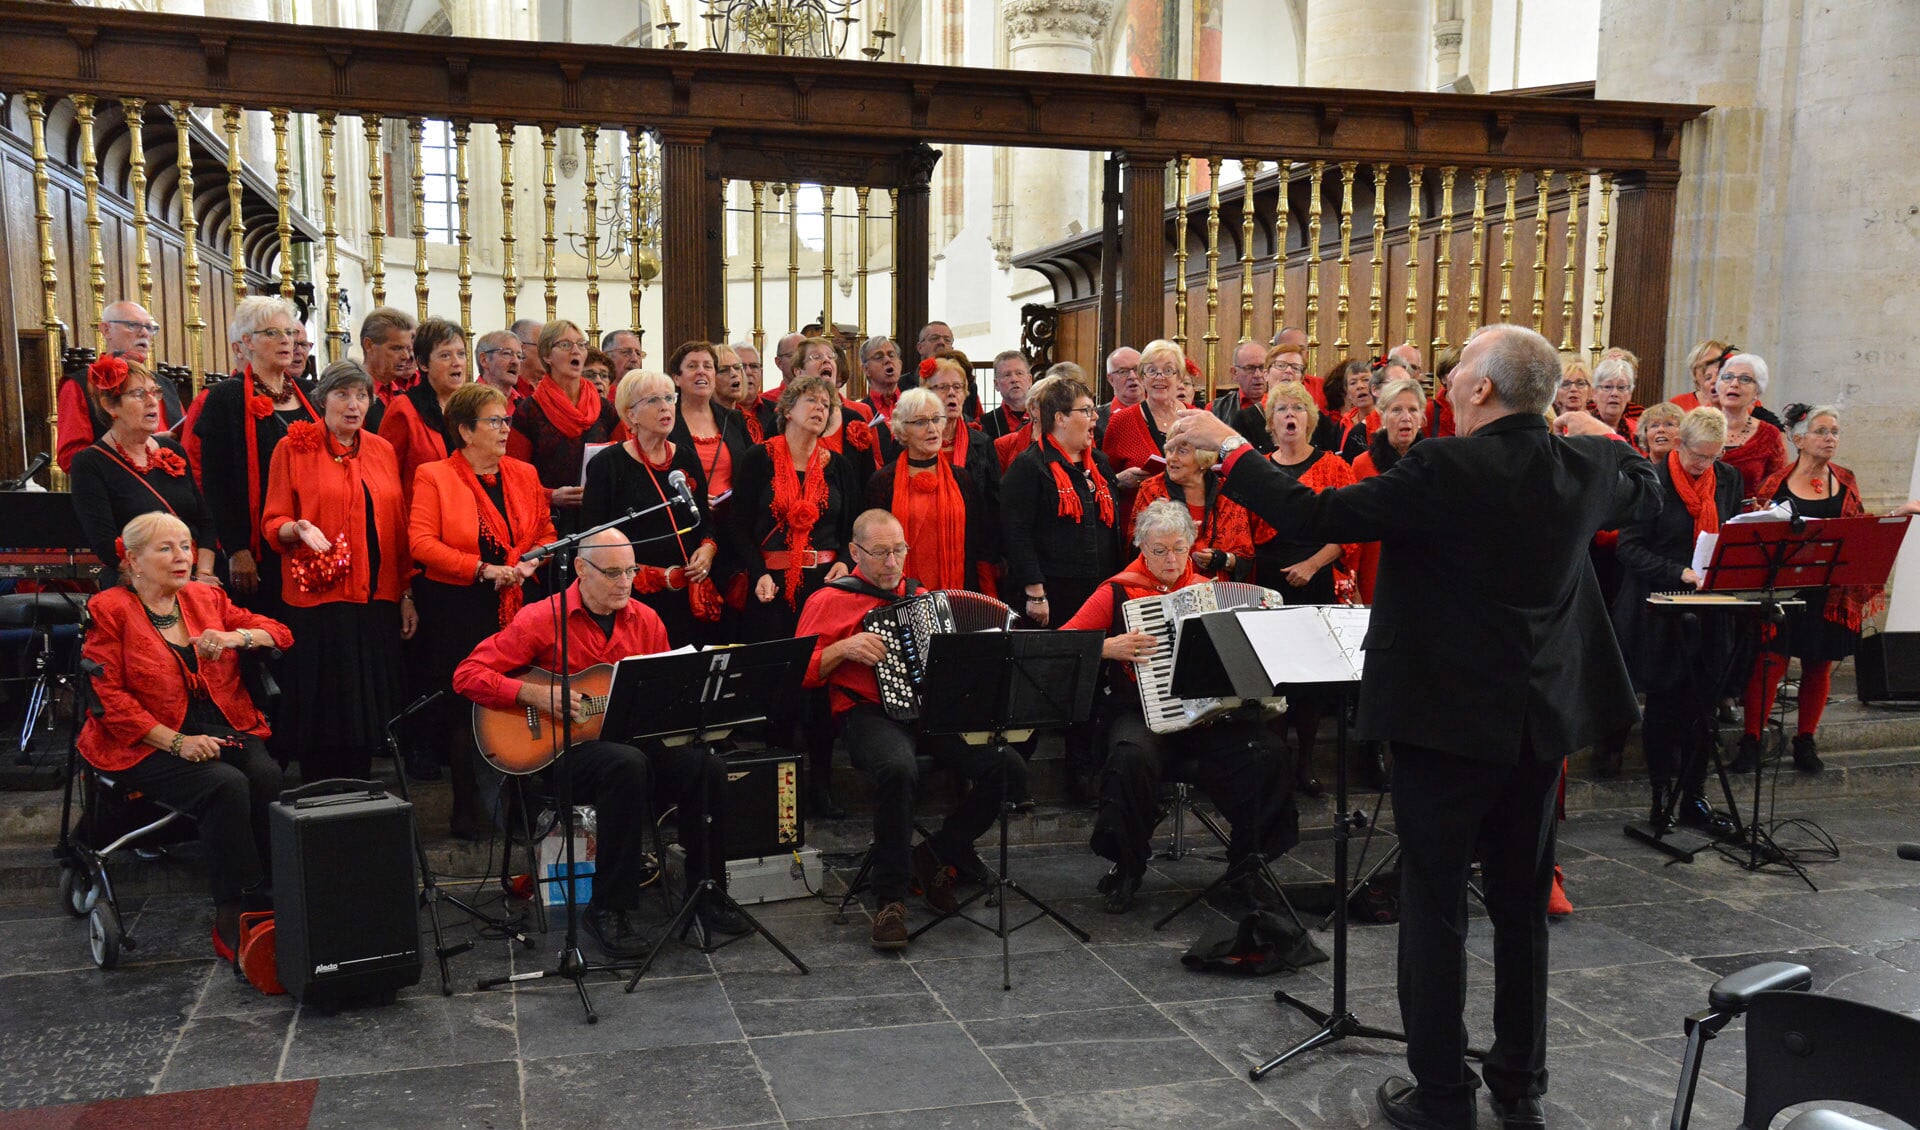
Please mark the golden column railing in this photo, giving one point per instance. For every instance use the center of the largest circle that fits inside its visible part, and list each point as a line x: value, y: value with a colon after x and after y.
x: 462, y: 204
x: 1280, y: 209
x: 1249, y: 168
x: 1508, y: 217
x: 49, y: 277
x: 330, y: 235
x: 1376, y: 295
x: 509, y: 269
x: 1212, y: 338
x: 1344, y: 309
x: 136, y: 110
x: 860, y: 274
x: 1569, y: 276
x: 416, y: 156
x: 590, y: 189
x: 1182, y: 171
x: 90, y: 180
x: 283, y: 201
x: 1317, y: 173
x: 376, y: 210
x: 1600, y: 267
x: 826, y: 260
x: 1416, y: 175
x: 757, y: 190
x: 1475, y: 264
x: 189, y: 241
x: 1542, y: 184
x: 1443, y: 265
x: 549, y: 272
x: 726, y: 262
x: 793, y: 258
x: 633, y: 226
x: 236, y: 224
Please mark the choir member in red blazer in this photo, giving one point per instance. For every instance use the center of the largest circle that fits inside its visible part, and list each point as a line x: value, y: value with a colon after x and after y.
x: 474, y: 514
x: 335, y: 509
x: 944, y: 511
x: 176, y: 722
x: 604, y: 624
x: 1755, y: 448
x: 1403, y: 406
x: 842, y: 667
x: 552, y: 427
x: 1223, y: 538
x: 415, y: 422
x: 242, y: 420
x: 1135, y: 442
x: 1240, y: 764
x: 128, y: 330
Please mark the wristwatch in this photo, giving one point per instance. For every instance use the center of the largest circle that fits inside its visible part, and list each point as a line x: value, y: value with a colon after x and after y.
x: 1230, y: 444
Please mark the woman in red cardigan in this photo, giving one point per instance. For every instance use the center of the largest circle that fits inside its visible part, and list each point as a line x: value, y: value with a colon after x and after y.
x: 176, y: 722
x: 474, y: 513
x: 1136, y: 440
x: 337, y: 514
x: 416, y: 422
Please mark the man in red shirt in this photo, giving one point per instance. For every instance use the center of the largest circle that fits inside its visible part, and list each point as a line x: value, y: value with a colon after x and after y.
x: 605, y: 624
x: 843, y: 660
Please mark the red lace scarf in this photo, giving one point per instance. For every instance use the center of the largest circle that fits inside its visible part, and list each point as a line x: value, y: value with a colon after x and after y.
x: 797, y: 508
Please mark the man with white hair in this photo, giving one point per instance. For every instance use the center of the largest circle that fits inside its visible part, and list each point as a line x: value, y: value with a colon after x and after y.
x: 1012, y: 377
x: 880, y: 363
x: 1123, y: 375
x: 1249, y: 379
x: 498, y: 356
x: 125, y: 328
x: 622, y: 347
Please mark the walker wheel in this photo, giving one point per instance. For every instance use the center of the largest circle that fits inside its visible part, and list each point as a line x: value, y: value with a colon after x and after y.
x: 103, y: 934
x: 76, y: 891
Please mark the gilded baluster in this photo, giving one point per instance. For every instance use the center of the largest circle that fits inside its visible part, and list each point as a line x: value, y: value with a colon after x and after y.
x: 826, y: 259
x: 1376, y: 296
x: 330, y: 237
x: 1416, y: 176
x: 509, y: 267
x: 1475, y: 264
x: 136, y: 110
x: 1600, y: 267
x: 1317, y: 174
x: 758, y: 191
x: 49, y: 276
x: 416, y: 139
x: 635, y: 237
x: 236, y: 223
x: 549, y: 271
x: 1542, y: 184
x: 793, y: 258
x: 376, y: 209
x: 1212, y: 338
x: 1281, y: 209
x: 1249, y: 168
x: 1443, y: 264
x: 1507, y: 221
x: 590, y: 199
x: 1183, y: 171
x: 283, y: 201
x: 463, y: 232
x: 726, y: 259
x: 189, y: 242
x: 1569, y: 277
x: 1344, y: 309
x: 861, y: 272
x: 90, y: 179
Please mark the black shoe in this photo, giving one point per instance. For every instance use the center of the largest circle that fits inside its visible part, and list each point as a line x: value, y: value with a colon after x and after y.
x: 1724, y: 712
x: 934, y: 879
x: 1657, y: 815
x: 1695, y: 812
x: 823, y: 805
x: 1121, y: 888
x: 1747, y: 758
x: 1806, y: 756
x: 616, y: 933
x: 1401, y: 1102
x: 1523, y: 1113
x: 719, y: 918
x: 972, y: 870
x: 1310, y: 786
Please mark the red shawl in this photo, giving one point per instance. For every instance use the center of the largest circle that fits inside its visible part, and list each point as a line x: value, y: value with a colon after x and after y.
x: 957, y: 450
x: 569, y: 418
x: 1696, y: 494
x: 934, y: 515
x: 797, y: 508
x: 1848, y: 604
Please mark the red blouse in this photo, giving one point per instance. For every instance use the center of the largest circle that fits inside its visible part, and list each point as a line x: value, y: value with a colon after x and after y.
x: 1228, y: 528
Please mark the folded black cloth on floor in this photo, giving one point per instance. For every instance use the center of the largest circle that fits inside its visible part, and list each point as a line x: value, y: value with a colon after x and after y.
x: 1261, y: 943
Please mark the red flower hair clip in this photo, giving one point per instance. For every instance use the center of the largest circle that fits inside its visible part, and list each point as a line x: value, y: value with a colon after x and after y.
x: 108, y: 374
x: 168, y: 461
x: 1193, y: 369
x: 120, y: 548
x: 927, y: 367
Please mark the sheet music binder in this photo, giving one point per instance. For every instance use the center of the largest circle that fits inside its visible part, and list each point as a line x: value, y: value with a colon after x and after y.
x: 1253, y: 652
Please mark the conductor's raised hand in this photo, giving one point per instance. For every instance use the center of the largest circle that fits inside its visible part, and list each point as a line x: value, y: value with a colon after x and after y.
x: 1199, y: 427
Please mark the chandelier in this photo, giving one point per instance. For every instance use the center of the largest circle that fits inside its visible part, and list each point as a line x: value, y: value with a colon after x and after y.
x: 636, y: 189
x: 818, y: 29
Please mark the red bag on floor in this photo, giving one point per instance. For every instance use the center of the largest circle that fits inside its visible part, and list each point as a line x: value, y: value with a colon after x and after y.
x: 257, y: 952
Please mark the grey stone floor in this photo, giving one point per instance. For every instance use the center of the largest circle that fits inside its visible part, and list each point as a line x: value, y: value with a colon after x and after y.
x: 1114, y: 1033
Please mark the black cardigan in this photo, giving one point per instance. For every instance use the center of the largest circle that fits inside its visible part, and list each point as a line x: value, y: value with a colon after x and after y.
x: 1040, y: 543
x: 750, y: 525
x: 1665, y: 651
x: 733, y: 433
x: 107, y: 494
x: 223, y: 462
x: 617, y: 483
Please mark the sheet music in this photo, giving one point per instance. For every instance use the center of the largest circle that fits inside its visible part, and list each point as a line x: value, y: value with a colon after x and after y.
x: 1703, y: 548
x: 587, y: 452
x: 1308, y: 643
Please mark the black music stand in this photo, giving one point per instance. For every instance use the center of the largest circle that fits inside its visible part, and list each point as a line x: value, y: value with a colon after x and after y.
x: 696, y: 698
x: 995, y: 688
x: 58, y: 544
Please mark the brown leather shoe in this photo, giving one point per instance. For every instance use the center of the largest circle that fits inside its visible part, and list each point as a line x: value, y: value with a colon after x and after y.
x: 934, y: 878
x: 890, y: 927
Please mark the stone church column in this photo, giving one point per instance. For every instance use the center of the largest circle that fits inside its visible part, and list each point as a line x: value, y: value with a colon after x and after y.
x: 1050, y: 187
x: 1378, y: 44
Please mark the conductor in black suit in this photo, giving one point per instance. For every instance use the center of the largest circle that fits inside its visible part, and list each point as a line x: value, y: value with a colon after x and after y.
x: 1490, y: 657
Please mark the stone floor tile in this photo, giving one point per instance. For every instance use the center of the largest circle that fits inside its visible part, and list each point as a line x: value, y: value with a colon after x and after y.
x: 920, y: 1066
x: 225, y: 1051
x: 977, y: 1116
x: 429, y: 1031
x: 1222, y: 1104
x: 1109, y: 1049
x: 1691, y: 929
x: 1051, y: 981
x: 687, y: 1087
x: 658, y: 1013
x: 468, y: 1096
x: 1847, y: 917
x: 832, y: 998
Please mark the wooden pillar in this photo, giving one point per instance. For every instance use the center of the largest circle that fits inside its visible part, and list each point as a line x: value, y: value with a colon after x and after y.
x: 1143, y: 248
x: 912, y: 235
x: 1109, y: 275
x: 686, y: 244
x: 1642, y: 265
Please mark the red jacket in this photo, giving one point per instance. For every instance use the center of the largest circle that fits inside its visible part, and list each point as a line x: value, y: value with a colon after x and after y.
x: 443, y: 525
x: 831, y: 615
x: 413, y: 441
x: 530, y: 641
x: 306, y: 481
x: 141, y: 685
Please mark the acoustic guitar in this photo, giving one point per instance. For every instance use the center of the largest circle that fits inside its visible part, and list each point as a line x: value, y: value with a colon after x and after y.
x: 522, y: 740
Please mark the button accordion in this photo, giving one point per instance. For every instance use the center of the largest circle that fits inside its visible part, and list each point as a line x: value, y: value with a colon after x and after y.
x: 1159, y: 617
x: 909, y: 624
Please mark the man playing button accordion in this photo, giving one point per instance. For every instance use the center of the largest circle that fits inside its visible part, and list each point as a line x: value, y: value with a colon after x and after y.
x: 1235, y: 758
x: 844, y: 656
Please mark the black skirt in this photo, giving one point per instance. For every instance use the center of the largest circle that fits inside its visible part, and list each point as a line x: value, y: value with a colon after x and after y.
x: 1812, y: 638
x: 453, y: 621
x: 340, y: 677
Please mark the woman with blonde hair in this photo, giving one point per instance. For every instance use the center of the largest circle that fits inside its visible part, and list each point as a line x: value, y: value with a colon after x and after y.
x: 1136, y: 439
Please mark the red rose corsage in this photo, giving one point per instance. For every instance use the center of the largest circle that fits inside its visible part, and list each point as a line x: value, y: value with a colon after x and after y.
x: 120, y: 549
x: 802, y: 516
x: 259, y: 406
x: 927, y: 367
x: 108, y: 374
x: 318, y: 572
x: 167, y: 460
x: 303, y: 435
x: 858, y: 434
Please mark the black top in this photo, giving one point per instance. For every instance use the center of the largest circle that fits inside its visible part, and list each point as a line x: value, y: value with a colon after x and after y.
x: 983, y: 530
x: 617, y: 482
x: 733, y: 433
x: 1828, y: 507
x: 554, y: 456
x: 1279, y: 552
x: 750, y: 525
x: 108, y: 493
x: 223, y: 458
x: 1488, y: 638
x: 982, y: 465
x: 1000, y: 421
x: 1663, y: 650
x: 1039, y: 542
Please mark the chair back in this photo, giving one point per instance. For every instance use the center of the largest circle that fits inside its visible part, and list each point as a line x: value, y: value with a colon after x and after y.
x: 1804, y: 1047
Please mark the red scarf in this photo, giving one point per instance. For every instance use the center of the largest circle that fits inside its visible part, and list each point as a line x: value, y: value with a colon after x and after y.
x: 1070, y: 507
x: 938, y: 553
x: 755, y: 432
x: 1138, y: 580
x: 1696, y: 494
x: 258, y: 407
x: 796, y: 509
x: 493, y: 525
x: 958, y: 447
x: 569, y: 418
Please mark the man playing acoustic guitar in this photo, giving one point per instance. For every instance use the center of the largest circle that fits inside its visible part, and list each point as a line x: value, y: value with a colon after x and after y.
x: 605, y: 624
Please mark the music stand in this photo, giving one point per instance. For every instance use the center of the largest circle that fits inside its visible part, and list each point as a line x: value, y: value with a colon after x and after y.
x: 696, y: 698
x: 994, y: 688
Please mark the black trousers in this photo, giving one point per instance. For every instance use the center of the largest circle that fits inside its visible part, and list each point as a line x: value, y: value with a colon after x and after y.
x: 227, y: 799
x: 884, y: 749
x: 1450, y: 810
x: 1238, y: 762
x: 1674, y: 729
x: 1065, y: 595
x: 627, y: 787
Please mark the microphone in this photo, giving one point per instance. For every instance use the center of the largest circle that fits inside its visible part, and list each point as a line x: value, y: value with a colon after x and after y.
x: 678, y: 481
x: 419, y: 704
x: 1910, y: 852
x: 38, y: 465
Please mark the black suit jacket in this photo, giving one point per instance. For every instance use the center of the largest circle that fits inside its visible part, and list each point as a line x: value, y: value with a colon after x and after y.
x: 1489, y: 635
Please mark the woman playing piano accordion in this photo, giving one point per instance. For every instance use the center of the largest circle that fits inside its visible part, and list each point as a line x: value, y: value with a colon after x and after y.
x: 1238, y: 761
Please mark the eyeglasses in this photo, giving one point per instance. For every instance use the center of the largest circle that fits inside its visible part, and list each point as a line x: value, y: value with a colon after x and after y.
x: 663, y: 400
x: 1823, y: 433
x: 1739, y: 378
x: 1161, y: 371
x: 569, y: 347
x: 1162, y: 553
x: 1569, y: 386
x: 493, y: 349
x: 147, y: 328
x: 1123, y: 369
x: 1089, y: 411
x: 888, y: 553
x: 273, y: 334
x: 1613, y: 386
x: 1293, y: 367
x: 152, y: 392
x: 627, y: 573
x: 498, y: 423
x: 924, y: 422
x: 945, y: 387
